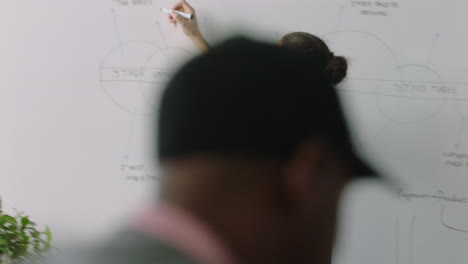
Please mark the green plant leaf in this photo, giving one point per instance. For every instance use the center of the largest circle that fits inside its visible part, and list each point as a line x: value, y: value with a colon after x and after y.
x: 3, y: 243
x: 20, y: 239
x: 48, y: 234
x: 35, y: 234
x: 24, y: 222
x: 10, y: 219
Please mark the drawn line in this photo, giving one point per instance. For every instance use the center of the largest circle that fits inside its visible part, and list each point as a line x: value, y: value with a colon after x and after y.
x: 397, y: 242
x: 400, y: 81
x: 442, y: 220
x: 130, y: 137
x: 402, y: 96
x: 161, y: 34
x: 411, y: 240
x: 435, y: 39
x: 135, y: 81
x: 117, y: 32
x: 134, y: 68
x: 340, y: 18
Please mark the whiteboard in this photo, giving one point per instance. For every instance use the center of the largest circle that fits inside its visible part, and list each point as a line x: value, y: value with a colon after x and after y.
x: 78, y: 82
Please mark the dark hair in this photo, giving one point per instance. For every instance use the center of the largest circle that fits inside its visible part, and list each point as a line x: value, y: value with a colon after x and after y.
x: 334, y: 67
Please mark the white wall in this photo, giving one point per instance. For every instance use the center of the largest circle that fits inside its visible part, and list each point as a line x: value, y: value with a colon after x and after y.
x: 76, y: 92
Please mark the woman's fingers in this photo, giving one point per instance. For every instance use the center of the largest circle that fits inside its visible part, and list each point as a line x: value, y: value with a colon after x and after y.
x: 178, y: 19
x: 188, y: 8
x: 183, y: 6
x: 172, y: 20
x: 179, y: 6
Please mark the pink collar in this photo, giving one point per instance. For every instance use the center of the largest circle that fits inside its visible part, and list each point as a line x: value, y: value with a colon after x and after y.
x: 184, y: 232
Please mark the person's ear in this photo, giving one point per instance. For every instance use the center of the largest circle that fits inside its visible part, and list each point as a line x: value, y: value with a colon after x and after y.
x: 302, y: 174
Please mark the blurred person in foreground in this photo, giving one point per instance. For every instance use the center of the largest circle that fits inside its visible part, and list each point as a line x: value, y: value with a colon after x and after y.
x: 255, y: 153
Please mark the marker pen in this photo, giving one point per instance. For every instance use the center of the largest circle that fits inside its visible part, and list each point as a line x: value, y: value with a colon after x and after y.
x: 186, y: 15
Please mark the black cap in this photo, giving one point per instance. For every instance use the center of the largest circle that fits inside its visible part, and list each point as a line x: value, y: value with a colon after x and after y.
x: 251, y: 99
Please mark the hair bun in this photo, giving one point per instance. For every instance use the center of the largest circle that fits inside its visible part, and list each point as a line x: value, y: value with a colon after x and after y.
x: 336, y: 69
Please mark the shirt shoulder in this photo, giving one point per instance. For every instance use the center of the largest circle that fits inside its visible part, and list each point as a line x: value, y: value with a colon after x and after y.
x: 126, y: 247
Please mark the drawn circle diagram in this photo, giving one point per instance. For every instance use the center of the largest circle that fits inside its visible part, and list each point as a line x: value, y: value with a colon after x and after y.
x: 404, y: 94
x: 451, y: 226
x: 135, y: 73
x: 418, y: 96
x: 163, y: 65
x: 370, y: 59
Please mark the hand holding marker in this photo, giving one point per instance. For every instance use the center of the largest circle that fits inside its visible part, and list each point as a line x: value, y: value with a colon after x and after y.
x: 183, y: 15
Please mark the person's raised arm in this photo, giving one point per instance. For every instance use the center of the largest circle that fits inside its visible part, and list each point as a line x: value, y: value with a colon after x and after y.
x: 189, y: 26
